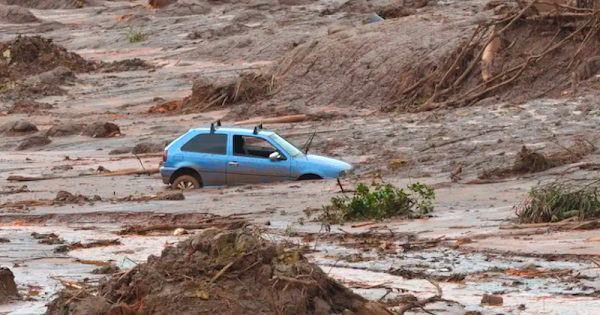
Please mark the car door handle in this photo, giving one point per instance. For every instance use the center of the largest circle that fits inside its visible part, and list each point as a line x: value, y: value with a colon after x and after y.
x: 233, y: 163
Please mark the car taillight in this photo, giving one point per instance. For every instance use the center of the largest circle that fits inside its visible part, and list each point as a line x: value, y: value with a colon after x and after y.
x: 165, y: 156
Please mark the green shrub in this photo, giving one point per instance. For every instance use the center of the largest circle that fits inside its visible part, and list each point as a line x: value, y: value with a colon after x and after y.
x: 560, y: 200
x: 135, y: 36
x: 379, y: 202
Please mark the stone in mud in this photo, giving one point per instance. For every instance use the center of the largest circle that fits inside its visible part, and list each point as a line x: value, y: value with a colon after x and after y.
x: 33, y: 142
x: 8, y: 287
x: 101, y: 130
x: 18, y: 127
x: 490, y: 299
x: 57, y: 76
x: 15, y: 14
x: 64, y: 130
x: 62, y: 168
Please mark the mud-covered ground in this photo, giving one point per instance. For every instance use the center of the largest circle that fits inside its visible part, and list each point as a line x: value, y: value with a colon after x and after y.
x: 186, y: 41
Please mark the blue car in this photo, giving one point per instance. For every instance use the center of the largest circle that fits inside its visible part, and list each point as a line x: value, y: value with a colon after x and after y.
x: 216, y: 156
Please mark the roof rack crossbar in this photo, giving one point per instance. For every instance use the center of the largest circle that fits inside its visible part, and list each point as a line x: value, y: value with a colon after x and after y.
x: 212, y: 125
x: 257, y: 128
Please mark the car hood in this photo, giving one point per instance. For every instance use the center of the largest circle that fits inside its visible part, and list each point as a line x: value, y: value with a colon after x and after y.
x: 313, y: 158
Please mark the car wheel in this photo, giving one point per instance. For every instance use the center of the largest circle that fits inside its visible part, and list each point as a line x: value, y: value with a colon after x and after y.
x: 186, y: 182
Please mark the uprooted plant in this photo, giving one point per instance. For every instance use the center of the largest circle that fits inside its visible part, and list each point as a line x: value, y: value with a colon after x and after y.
x: 561, y: 200
x: 378, y: 202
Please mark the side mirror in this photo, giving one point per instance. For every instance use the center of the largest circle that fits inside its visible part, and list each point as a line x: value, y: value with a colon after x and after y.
x: 275, y: 156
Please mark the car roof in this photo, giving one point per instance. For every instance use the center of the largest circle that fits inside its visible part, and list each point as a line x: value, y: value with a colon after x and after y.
x: 238, y: 130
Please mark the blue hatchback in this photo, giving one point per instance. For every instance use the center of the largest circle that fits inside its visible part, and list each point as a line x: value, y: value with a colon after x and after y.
x: 216, y: 156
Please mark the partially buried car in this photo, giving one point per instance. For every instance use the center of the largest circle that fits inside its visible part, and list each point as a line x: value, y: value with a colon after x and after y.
x: 217, y: 156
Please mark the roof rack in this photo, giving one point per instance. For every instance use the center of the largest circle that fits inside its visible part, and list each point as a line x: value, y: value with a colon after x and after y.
x: 212, y: 125
x: 257, y: 128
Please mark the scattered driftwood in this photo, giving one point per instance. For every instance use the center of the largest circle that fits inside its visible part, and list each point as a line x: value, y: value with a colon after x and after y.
x: 19, y: 178
x: 274, y: 120
x: 227, y: 224
x: 565, y: 225
x: 421, y: 304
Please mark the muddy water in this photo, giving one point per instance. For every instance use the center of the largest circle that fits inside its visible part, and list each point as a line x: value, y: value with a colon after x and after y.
x: 38, y: 269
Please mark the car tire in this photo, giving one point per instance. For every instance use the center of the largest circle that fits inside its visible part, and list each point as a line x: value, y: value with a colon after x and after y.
x: 185, y: 182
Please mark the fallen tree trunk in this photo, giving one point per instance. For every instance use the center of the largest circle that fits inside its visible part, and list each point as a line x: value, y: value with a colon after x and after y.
x: 19, y: 178
x: 274, y: 120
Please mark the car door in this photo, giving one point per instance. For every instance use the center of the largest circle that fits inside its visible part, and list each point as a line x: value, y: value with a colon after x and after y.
x: 207, y: 154
x: 249, y: 161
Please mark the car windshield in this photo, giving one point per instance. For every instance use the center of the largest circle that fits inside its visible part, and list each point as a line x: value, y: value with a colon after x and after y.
x: 288, y: 147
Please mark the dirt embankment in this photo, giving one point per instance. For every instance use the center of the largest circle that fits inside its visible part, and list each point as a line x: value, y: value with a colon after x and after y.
x: 32, y: 65
x: 511, y: 54
x: 220, y: 272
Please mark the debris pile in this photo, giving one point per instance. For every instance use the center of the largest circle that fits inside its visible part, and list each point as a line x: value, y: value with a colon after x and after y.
x: 528, y: 161
x: 212, y: 270
x: 209, y: 93
x: 29, y: 106
x: 561, y: 200
x: 101, y: 130
x: 67, y: 197
x: 47, y: 238
x: 135, y: 64
x: 25, y: 56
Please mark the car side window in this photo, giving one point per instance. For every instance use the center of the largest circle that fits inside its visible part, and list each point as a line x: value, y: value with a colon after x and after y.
x: 209, y: 143
x: 252, y: 147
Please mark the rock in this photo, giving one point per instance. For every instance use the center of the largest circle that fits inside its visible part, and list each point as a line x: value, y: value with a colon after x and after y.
x: 492, y: 299
x: 101, y: 130
x: 34, y: 141
x: 149, y: 147
x: 121, y: 150
x: 8, y: 287
x: 15, y: 14
x: 18, y: 127
x: 62, y: 168
x: 57, y: 76
x: 64, y: 130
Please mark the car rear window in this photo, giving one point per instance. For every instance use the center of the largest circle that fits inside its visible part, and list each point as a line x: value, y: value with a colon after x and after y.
x: 207, y: 143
